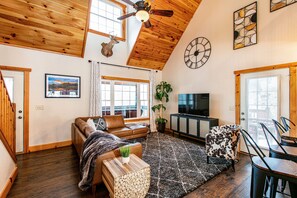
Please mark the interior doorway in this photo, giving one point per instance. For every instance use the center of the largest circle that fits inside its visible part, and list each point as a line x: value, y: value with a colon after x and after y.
x: 263, y: 94
x: 18, y: 79
x: 14, y: 81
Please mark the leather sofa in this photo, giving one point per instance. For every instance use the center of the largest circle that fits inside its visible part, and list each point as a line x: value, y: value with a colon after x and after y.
x: 80, y: 130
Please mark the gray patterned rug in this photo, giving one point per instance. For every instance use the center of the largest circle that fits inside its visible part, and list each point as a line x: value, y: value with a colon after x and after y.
x: 177, y: 167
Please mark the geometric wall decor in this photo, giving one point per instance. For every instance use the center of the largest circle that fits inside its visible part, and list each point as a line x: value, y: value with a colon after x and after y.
x: 245, y: 26
x: 278, y: 4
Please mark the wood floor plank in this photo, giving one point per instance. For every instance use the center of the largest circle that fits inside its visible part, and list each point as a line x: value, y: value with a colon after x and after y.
x: 55, y: 173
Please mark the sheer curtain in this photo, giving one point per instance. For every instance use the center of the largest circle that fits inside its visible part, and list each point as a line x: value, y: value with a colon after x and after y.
x: 152, y: 100
x: 95, y: 92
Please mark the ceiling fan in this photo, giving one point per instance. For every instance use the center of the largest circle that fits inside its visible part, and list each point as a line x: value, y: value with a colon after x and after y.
x: 143, y: 11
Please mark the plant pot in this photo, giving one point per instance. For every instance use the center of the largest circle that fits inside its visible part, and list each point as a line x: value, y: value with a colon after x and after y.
x: 161, y: 127
x: 125, y: 160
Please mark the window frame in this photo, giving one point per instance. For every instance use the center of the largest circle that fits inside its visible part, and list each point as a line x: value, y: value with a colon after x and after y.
x: 124, y: 11
x: 137, y: 81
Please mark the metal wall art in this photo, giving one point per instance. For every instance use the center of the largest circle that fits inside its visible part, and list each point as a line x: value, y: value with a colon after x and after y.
x: 278, y: 4
x: 245, y: 26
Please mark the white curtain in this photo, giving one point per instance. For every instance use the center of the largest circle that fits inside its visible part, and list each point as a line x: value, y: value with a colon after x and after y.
x: 95, y: 92
x: 152, y: 100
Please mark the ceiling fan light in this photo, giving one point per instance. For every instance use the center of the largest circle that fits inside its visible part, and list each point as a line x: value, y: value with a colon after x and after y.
x: 142, y: 15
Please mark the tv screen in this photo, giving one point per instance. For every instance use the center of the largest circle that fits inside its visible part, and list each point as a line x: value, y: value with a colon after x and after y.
x: 196, y: 104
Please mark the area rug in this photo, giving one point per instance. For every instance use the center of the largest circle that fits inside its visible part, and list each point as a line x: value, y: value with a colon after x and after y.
x: 177, y: 167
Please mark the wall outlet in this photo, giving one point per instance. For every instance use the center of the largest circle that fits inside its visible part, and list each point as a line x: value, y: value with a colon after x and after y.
x: 39, y: 107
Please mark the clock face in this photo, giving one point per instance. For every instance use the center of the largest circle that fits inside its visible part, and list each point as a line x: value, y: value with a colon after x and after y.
x: 197, y: 53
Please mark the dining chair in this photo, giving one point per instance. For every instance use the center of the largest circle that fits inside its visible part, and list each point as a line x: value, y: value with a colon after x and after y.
x: 266, y: 167
x: 286, y: 123
x: 279, y: 151
x: 280, y: 130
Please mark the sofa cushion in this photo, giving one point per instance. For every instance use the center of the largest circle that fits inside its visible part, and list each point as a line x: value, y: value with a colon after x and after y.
x: 138, y: 129
x: 114, y: 121
x: 100, y: 124
x: 121, y: 132
x: 81, y: 124
x: 91, y: 123
x: 88, y: 130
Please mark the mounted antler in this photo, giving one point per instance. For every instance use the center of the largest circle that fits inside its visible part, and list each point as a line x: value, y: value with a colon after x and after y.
x: 107, y: 47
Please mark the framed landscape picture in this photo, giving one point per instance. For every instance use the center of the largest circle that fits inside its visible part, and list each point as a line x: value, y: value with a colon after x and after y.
x: 62, y: 86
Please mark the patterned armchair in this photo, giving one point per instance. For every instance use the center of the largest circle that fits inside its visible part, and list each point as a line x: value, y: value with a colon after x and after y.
x: 222, y: 142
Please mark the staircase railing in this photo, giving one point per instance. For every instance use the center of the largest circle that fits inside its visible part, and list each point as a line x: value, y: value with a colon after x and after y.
x: 7, y: 118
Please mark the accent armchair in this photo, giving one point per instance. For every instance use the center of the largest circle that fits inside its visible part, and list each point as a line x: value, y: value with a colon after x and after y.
x: 222, y: 141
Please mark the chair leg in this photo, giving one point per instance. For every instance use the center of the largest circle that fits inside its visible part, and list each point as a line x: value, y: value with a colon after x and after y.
x: 283, y: 185
x: 233, y: 164
x: 293, y: 189
x: 273, y: 187
x: 267, y: 184
x: 207, y: 159
x: 258, y: 182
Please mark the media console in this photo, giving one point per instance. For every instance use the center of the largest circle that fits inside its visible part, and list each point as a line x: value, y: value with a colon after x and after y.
x: 191, y: 125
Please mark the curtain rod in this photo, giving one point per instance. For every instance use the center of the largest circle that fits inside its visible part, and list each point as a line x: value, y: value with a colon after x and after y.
x: 128, y: 67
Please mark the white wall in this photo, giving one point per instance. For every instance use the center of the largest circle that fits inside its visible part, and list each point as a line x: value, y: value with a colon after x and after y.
x: 53, y: 124
x: 7, y: 165
x: 277, y: 43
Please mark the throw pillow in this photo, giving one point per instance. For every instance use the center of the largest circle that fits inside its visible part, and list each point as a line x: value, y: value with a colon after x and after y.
x: 91, y: 123
x: 100, y: 124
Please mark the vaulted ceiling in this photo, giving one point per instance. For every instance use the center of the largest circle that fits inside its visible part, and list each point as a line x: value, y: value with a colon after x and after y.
x: 61, y: 26
x: 154, y: 45
x: 52, y: 25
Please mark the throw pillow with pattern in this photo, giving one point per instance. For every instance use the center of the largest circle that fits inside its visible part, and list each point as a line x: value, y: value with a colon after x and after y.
x: 100, y: 124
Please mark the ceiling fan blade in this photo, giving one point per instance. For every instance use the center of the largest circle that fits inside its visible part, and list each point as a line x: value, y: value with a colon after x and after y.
x: 166, y: 13
x: 147, y: 24
x: 126, y: 16
x: 129, y: 2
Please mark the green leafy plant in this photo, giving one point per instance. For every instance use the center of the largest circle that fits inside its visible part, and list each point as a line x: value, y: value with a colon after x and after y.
x: 162, y: 95
x: 125, y: 151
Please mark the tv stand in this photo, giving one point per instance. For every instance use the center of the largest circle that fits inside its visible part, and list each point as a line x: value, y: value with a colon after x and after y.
x: 192, y: 125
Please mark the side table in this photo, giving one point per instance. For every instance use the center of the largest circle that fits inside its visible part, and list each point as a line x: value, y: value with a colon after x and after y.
x: 126, y: 180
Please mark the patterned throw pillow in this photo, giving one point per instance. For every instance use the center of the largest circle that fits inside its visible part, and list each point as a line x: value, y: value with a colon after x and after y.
x: 100, y: 124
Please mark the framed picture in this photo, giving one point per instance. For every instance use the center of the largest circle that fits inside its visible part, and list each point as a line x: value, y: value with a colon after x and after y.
x: 62, y: 86
x: 278, y: 4
x: 245, y: 26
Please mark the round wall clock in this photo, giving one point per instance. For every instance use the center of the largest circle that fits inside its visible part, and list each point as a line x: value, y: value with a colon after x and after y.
x: 197, y: 53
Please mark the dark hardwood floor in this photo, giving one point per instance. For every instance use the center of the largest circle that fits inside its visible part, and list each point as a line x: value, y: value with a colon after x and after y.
x: 54, y: 173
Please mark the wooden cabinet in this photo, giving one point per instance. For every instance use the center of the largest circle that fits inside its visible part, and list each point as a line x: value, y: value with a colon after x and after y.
x: 191, y: 125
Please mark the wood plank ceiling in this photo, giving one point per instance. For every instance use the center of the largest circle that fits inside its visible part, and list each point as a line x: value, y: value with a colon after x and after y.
x: 56, y: 25
x: 154, y: 45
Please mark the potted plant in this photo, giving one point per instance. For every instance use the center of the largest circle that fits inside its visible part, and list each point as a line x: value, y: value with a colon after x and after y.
x: 162, y: 95
x: 125, y: 153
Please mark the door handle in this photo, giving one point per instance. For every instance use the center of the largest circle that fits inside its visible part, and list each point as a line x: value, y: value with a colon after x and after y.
x: 20, y: 117
x: 243, y: 119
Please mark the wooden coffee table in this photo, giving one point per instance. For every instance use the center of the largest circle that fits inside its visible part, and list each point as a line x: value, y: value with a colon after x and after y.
x: 126, y: 180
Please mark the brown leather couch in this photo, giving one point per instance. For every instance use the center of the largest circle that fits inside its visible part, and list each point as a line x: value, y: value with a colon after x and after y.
x: 80, y: 130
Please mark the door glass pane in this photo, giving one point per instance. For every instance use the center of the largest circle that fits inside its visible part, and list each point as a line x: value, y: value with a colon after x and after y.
x: 9, y: 85
x: 262, y: 107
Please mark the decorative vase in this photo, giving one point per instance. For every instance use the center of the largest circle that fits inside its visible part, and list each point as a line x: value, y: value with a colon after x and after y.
x: 125, y: 160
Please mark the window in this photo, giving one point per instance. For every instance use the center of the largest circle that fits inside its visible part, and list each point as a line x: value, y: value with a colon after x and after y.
x: 103, y: 18
x: 127, y: 98
x: 262, y: 106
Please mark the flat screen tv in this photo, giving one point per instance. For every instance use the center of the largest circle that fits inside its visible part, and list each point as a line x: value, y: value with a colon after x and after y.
x: 196, y: 104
